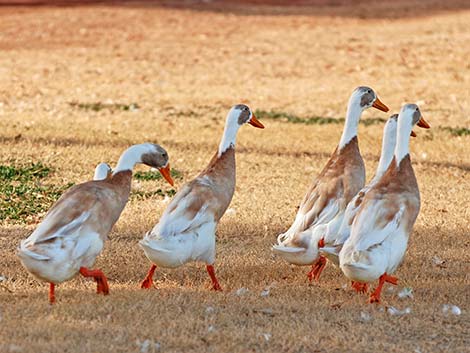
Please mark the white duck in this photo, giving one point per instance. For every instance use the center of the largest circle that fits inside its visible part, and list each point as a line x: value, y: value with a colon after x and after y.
x: 336, y: 236
x: 383, y: 223
x: 186, y: 230
x: 74, y: 230
x: 341, y: 179
x: 102, y: 171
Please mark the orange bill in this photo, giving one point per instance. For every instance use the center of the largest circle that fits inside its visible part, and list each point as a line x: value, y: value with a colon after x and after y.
x: 379, y: 105
x: 165, y: 172
x: 255, y: 122
x: 413, y: 134
x: 423, y: 123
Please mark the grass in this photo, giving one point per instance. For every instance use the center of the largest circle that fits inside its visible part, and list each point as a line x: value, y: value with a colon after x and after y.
x: 174, y: 59
x: 154, y: 175
x: 98, y: 106
x: 23, y: 197
x: 291, y: 118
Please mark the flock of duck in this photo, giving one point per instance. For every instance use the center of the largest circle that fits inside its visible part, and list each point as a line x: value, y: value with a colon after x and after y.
x: 362, y: 229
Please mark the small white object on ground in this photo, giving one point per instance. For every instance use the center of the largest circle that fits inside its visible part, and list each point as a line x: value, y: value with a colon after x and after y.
x: 394, y: 311
x: 365, y: 317
x: 241, y: 291
x: 406, y: 292
x: 231, y: 212
x: 148, y: 346
x: 211, y: 328
x: 454, y: 309
x: 267, y: 336
x: 265, y: 292
x: 436, y: 260
x: 210, y: 310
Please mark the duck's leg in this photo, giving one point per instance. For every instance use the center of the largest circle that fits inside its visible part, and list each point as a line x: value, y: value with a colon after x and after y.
x: 360, y: 287
x: 317, y: 268
x: 51, y: 293
x: 147, y: 283
x: 375, y: 296
x: 215, y: 283
x: 100, y: 278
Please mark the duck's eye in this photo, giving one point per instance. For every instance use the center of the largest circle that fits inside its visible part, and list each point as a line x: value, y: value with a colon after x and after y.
x: 369, y: 91
x: 164, y: 155
x: 417, y: 110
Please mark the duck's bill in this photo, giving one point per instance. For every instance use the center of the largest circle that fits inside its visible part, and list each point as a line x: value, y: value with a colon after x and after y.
x: 255, y: 122
x: 413, y: 134
x: 423, y: 123
x: 165, y: 172
x: 380, y: 106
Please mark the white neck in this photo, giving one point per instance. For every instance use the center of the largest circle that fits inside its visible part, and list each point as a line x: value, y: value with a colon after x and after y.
x: 403, y: 138
x: 230, y: 135
x: 129, y: 159
x: 388, y: 147
x: 353, y: 115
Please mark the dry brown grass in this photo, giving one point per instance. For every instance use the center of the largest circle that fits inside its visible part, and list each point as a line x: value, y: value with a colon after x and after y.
x: 184, y: 68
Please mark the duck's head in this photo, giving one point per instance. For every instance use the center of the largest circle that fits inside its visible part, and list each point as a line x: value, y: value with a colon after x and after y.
x: 411, y: 115
x: 241, y: 114
x: 365, y: 97
x: 102, y: 171
x: 155, y: 156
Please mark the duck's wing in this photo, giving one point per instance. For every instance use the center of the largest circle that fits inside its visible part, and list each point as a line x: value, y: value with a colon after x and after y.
x: 319, y: 206
x: 192, y: 207
x: 381, y: 217
x: 81, y: 206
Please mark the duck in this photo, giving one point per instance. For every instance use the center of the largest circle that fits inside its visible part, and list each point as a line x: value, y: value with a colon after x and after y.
x: 186, y: 229
x: 384, y: 221
x: 338, y: 230
x: 102, y: 171
x: 73, y: 232
x: 327, y: 197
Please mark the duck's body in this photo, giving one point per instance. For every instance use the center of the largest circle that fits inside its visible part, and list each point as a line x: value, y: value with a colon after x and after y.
x: 328, y: 196
x: 383, y: 223
x: 74, y: 230
x: 186, y: 230
x: 338, y: 230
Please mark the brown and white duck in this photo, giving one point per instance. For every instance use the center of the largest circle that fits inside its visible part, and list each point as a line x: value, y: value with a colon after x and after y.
x: 74, y: 230
x: 186, y: 230
x: 332, y: 190
x: 384, y: 221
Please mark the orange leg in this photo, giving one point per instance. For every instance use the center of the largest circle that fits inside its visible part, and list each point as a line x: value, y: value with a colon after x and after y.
x: 375, y: 295
x: 360, y: 287
x: 100, y: 278
x: 51, y: 293
x: 215, y: 283
x: 317, y: 269
x: 147, y: 283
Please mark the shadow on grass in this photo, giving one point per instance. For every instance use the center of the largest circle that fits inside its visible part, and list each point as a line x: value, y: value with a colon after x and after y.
x: 317, y: 8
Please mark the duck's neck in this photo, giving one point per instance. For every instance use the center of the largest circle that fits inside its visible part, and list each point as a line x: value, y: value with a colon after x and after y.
x: 388, y: 147
x: 353, y: 115
x: 129, y: 159
x: 229, y: 138
x: 403, y: 140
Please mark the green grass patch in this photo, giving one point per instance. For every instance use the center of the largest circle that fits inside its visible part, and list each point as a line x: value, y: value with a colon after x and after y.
x: 314, y: 120
x: 456, y: 131
x: 98, y: 106
x: 317, y: 120
x: 144, y: 195
x: 22, y: 194
x: 155, y: 175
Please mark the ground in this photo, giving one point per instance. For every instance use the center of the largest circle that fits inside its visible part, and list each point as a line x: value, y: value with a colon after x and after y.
x: 81, y: 83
